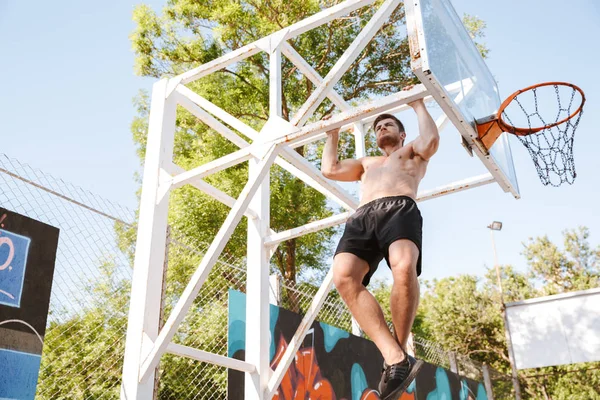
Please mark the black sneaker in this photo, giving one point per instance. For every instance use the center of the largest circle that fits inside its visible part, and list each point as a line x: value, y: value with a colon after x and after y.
x: 396, y: 377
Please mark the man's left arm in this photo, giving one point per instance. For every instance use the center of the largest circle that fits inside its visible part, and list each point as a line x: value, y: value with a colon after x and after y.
x: 428, y: 141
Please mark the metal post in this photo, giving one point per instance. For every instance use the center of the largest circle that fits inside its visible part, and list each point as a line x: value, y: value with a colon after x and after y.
x: 453, y: 363
x: 146, y: 284
x: 257, y: 287
x: 511, y: 356
x: 411, y: 349
x: 275, y: 289
x: 487, y: 382
x: 161, y: 319
x: 359, y: 144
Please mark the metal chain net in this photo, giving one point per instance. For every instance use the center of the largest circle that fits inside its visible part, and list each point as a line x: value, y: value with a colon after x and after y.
x: 85, y: 335
x: 552, y: 148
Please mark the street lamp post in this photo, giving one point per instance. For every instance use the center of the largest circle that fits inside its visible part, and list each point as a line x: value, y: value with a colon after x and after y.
x: 497, y: 226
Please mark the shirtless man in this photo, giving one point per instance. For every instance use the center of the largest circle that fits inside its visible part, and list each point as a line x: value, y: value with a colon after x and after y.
x: 387, y: 225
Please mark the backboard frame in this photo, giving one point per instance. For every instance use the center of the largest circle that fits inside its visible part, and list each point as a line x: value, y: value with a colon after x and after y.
x: 421, y: 67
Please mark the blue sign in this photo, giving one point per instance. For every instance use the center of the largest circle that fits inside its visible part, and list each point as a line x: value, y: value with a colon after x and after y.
x: 18, y: 374
x: 13, y: 262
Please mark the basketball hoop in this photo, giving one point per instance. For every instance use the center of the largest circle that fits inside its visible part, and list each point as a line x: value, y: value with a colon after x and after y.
x: 546, y: 128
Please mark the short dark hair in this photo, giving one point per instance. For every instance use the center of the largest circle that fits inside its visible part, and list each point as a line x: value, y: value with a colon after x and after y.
x: 386, y: 116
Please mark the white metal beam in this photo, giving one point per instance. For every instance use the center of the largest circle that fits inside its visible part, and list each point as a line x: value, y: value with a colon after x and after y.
x: 457, y: 186
x: 217, y: 112
x: 202, y: 115
x: 308, y: 132
x: 210, y: 258
x: 211, y: 167
x: 210, y: 190
x: 292, y: 31
x: 306, y: 229
x: 367, y: 121
x: 313, y: 177
x: 311, y: 74
x: 204, y: 356
x: 340, y: 67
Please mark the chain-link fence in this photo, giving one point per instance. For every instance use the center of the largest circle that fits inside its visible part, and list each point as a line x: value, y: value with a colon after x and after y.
x: 85, y: 335
x: 84, y: 340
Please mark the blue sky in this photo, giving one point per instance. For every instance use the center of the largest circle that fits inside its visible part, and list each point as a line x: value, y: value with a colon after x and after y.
x: 66, y: 106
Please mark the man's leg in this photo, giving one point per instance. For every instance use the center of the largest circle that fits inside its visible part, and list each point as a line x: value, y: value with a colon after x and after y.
x: 348, y: 273
x: 403, y: 256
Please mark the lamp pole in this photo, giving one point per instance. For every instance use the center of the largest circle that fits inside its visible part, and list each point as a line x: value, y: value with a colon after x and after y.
x: 497, y: 226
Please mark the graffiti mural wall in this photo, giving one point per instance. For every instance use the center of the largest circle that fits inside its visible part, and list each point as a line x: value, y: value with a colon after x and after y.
x: 333, y: 364
x: 27, y: 257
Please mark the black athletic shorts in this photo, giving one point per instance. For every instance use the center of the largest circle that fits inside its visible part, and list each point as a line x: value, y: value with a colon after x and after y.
x: 376, y: 225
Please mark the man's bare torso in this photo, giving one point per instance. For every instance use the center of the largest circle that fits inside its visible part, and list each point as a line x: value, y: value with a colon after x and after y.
x: 395, y: 175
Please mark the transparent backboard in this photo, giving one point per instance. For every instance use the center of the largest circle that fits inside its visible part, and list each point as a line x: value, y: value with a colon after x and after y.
x: 450, y: 58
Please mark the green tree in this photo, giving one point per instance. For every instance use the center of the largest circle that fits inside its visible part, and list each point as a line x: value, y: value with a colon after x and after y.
x: 476, y: 28
x: 577, y: 267
x: 463, y: 313
x: 83, y: 350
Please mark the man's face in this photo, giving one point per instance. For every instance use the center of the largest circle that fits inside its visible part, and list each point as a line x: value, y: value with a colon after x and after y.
x: 388, y: 134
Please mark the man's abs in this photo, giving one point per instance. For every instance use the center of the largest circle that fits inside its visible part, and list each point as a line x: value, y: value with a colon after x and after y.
x: 391, y: 178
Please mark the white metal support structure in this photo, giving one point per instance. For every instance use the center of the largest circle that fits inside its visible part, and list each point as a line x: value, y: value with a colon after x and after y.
x: 275, y: 143
x: 146, y: 287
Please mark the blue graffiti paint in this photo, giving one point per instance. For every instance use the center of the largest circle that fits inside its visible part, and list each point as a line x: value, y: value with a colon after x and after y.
x: 464, y: 390
x: 236, y: 339
x: 358, y: 381
x: 237, y: 323
x: 481, y: 393
x: 13, y: 263
x: 413, y: 385
x: 442, y: 390
x: 332, y: 335
x: 273, y: 316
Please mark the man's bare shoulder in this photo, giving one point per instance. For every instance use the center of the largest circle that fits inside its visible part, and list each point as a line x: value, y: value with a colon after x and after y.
x: 410, y: 148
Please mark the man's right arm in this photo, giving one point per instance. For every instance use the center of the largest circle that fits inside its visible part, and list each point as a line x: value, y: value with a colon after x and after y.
x: 345, y: 170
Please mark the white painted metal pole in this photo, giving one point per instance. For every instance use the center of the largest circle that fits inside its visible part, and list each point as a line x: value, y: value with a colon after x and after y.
x: 275, y: 289
x: 511, y: 355
x: 487, y: 382
x: 361, y: 151
x: 359, y: 140
x: 257, y: 293
x: 257, y: 281
x: 146, y: 287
